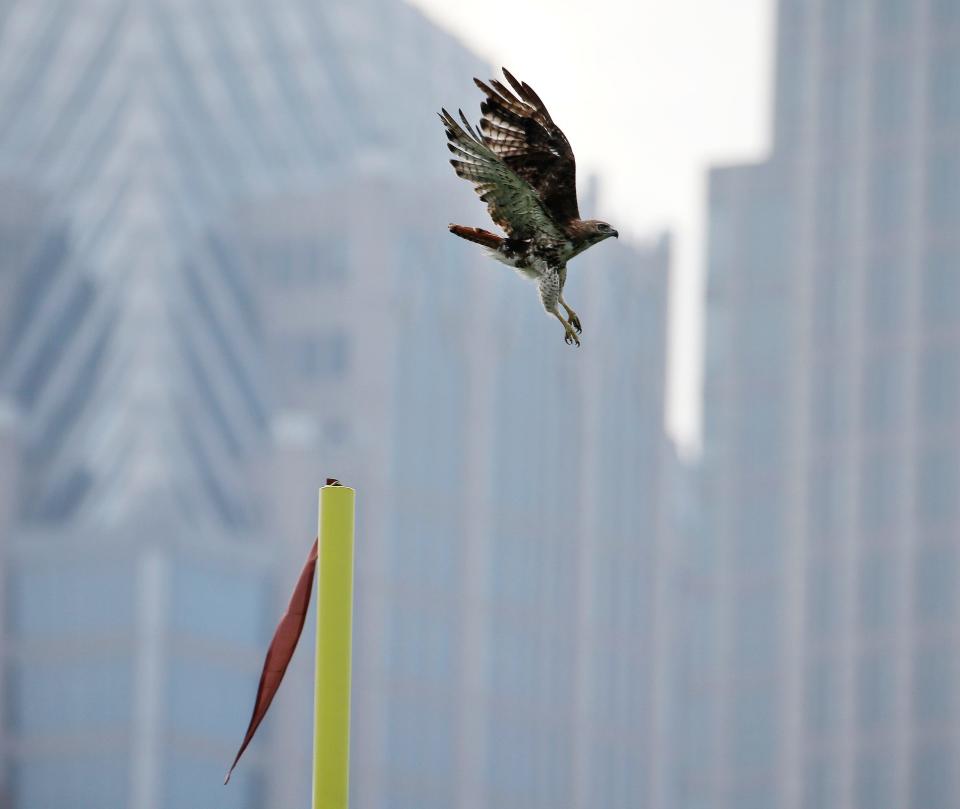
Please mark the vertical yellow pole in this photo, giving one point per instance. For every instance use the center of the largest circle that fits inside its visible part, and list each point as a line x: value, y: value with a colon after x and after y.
x: 331, y: 714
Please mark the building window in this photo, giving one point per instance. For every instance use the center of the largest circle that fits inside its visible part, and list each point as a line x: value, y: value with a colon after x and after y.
x: 945, y: 82
x: 944, y: 13
x: 933, y: 690
x: 943, y: 189
x: 883, y: 393
x: 758, y: 430
x: 940, y: 387
x: 877, y: 591
x: 301, y: 262
x: 885, y: 295
x: 836, y: 114
x: 835, y: 22
x: 762, y: 330
x: 820, y: 787
x: 319, y: 357
x: 335, y: 432
x: 938, y: 489
x: 75, y: 697
x: 757, y: 633
x: 891, y: 99
x: 822, y: 697
x: 210, y: 603
x: 875, y: 692
x: 759, y: 526
x: 202, y: 695
x: 828, y: 393
x: 888, y: 198
x: 936, y: 583
x: 87, y: 776
x: 932, y: 775
x: 893, y: 17
x: 823, y: 502
x: 822, y: 600
x: 755, y: 728
x: 874, y: 784
x: 34, y: 284
x: 941, y: 289
x: 826, y: 317
x: 54, y: 600
x: 749, y: 794
x: 186, y: 780
x: 880, y: 483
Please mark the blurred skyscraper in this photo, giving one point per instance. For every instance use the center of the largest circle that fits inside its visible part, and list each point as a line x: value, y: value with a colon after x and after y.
x: 225, y: 276
x: 137, y: 581
x: 9, y: 470
x: 828, y: 648
x: 513, y: 512
x: 565, y: 612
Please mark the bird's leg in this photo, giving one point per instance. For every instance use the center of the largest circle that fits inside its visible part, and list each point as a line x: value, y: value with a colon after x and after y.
x: 570, y: 336
x: 571, y: 316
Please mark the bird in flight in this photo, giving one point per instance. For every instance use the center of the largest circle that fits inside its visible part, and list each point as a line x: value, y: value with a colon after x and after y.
x: 522, y: 166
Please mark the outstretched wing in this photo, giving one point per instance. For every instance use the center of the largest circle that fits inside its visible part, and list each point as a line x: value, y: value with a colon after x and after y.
x: 512, y: 203
x: 517, y: 127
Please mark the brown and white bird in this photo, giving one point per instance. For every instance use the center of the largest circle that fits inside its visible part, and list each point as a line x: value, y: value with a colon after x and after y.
x: 523, y: 167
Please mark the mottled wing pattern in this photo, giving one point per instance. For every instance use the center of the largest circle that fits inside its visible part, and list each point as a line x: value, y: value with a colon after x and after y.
x: 512, y: 203
x: 517, y: 127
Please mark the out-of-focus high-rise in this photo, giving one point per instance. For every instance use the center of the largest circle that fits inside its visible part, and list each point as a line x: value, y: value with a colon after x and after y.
x: 138, y: 590
x: 827, y: 660
x: 513, y: 514
x: 9, y: 469
x: 575, y: 616
x: 226, y: 275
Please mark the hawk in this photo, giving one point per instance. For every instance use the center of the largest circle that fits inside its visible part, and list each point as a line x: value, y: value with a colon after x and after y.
x: 522, y: 166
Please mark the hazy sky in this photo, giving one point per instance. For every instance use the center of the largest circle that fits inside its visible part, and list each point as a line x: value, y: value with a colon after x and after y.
x: 650, y: 94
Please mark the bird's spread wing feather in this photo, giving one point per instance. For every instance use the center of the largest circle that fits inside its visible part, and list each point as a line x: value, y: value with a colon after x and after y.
x: 512, y: 203
x: 517, y: 127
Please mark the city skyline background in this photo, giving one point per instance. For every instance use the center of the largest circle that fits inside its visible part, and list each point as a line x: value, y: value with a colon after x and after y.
x: 225, y: 275
x: 229, y: 276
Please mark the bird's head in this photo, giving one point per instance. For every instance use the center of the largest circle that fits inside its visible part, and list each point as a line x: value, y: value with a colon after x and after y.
x: 597, y: 231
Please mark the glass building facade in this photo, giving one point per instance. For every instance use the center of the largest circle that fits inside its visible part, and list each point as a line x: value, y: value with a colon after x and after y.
x: 226, y: 277
x: 827, y: 662
x: 138, y: 591
x: 508, y: 597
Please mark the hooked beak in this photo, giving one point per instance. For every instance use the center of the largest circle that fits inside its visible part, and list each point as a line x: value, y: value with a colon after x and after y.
x: 616, y: 235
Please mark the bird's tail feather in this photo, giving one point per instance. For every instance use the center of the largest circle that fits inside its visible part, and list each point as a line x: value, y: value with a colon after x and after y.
x: 484, y: 237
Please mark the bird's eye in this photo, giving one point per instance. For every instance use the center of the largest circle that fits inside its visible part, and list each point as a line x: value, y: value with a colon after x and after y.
x: 602, y: 227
